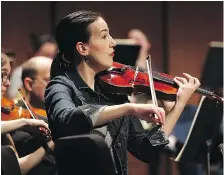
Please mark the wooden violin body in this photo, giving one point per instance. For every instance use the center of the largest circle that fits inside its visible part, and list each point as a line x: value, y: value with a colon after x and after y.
x: 10, y: 111
x: 123, y: 79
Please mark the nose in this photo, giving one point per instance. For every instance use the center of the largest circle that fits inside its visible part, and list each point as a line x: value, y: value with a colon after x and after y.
x: 7, y: 83
x: 113, y: 43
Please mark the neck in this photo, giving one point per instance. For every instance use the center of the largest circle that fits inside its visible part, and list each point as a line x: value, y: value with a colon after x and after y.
x: 34, y: 101
x: 87, y: 74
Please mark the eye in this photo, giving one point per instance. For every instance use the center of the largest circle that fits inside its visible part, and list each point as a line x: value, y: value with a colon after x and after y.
x: 4, y: 74
x: 104, y: 36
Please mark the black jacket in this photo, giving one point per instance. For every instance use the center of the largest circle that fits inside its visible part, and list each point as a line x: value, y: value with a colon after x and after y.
x: 72, y: 106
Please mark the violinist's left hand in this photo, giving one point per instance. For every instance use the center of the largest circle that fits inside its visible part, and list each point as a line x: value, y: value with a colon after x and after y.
x: 187, y: 86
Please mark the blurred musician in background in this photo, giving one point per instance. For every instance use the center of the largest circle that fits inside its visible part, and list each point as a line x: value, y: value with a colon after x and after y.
x: 142, y: 40
x: 35, y: 76
x: 12, y: 162
x: 42, y: 45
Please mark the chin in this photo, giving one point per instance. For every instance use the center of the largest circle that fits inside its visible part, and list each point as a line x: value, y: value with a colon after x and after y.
x: 3, y: 93
x: 107, y: 66
x: 110, y: 63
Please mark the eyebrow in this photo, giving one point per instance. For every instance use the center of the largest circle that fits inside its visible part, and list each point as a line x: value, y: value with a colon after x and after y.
x: 4, y: 70
x: 104, y: 30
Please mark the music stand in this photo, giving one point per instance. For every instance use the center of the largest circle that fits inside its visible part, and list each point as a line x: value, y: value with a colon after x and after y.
x: 205, y: 126
x: 212, y: 74
x: 126, y: 51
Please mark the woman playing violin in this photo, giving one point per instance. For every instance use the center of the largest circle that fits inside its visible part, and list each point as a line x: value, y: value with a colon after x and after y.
x: 75, y: 104
x: 26, y: 163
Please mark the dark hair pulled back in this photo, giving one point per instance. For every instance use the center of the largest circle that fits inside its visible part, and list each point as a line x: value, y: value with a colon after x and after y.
x: 71, y: 29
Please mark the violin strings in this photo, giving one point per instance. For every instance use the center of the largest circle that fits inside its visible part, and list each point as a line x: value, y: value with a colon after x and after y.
x: 157, y: 75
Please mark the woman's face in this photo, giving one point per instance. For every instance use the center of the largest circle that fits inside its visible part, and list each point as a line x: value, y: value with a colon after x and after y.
x: 100, y: 46
x: 5, y: 77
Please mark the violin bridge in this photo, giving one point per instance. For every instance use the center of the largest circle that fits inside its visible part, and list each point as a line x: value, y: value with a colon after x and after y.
x: 136, y: 73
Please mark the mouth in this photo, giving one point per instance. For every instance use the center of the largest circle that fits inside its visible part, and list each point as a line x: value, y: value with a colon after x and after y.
x: 112, y: 54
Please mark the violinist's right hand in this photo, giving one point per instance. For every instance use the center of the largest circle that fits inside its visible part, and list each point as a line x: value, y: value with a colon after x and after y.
x: 41, y: 125
x: 142, y: 111
x: 35, y: 122
x: 146, y: 112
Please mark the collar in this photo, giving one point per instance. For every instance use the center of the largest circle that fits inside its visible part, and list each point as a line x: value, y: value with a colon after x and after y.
x: 73, y: 74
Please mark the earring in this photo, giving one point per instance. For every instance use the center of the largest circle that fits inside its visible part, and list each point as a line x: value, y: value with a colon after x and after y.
x: 86, y: 58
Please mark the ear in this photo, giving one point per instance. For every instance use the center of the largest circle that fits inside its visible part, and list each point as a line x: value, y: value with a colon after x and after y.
x: 82, y: 48
x: 28, y: 84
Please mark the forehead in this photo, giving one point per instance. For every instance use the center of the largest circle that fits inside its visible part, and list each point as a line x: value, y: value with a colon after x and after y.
x: 97, y: 26
x: 48, y: 45
x: 43, y: 68
x: 48, y: 48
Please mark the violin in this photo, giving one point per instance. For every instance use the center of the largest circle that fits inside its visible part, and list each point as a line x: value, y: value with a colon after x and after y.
x: 40, y: 113
x: 125, y: 80
x: 10, y: 111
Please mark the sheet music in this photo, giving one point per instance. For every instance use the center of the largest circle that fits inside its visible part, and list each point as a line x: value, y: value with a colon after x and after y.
x: 191, y: 128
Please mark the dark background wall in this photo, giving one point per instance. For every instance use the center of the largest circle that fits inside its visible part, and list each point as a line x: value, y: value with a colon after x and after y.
x: 18, y: 20
x: 179, y: 31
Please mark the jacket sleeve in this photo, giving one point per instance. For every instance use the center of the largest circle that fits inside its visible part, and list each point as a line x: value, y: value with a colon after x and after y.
x: 142, y: 144
x: 65, y: 117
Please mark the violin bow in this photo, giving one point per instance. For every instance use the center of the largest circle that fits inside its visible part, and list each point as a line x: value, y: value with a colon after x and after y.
x: 41, y: 128
x: 28, y: 108
x: 152, y: 88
